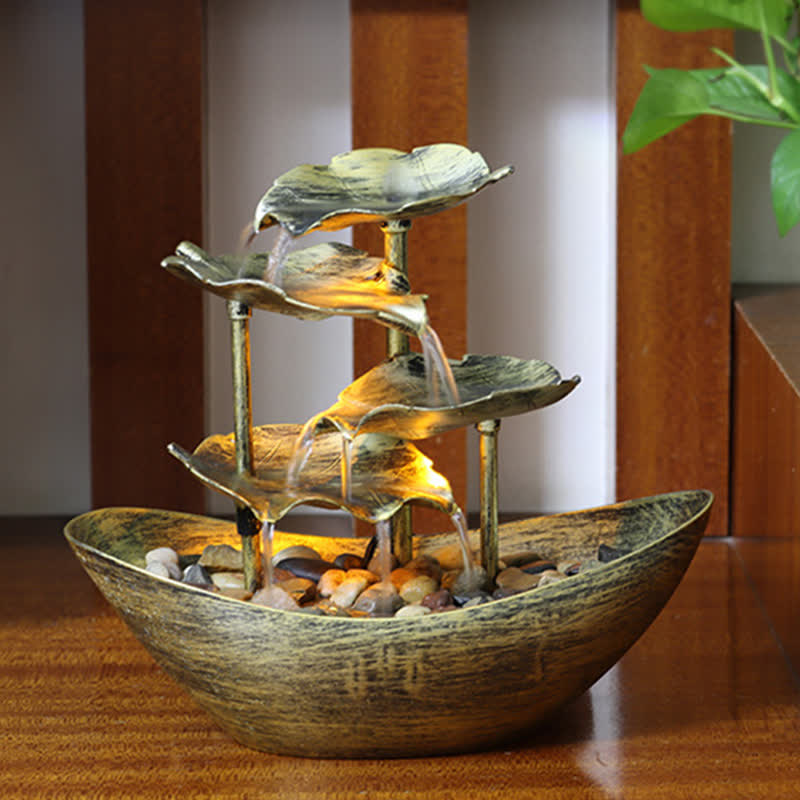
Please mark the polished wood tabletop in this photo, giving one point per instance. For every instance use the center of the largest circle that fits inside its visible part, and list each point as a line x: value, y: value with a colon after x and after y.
x: 705, y: 705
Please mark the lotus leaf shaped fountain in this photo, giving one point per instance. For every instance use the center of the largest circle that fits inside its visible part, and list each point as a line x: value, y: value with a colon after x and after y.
x: 420, y: 685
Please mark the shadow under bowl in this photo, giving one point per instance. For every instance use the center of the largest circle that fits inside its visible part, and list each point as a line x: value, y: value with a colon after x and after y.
x: 298, y: 684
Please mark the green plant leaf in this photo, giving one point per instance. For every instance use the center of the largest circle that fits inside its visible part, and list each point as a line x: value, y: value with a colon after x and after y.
x: 731, y: 94
x: 785, y: 180
x: 698, y: 15
x: 670, y: 98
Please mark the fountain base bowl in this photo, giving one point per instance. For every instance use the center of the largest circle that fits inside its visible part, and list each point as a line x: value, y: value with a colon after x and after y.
x: 298, y: 684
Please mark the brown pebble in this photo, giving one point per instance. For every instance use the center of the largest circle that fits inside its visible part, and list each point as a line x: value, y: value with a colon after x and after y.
x: 519, y: 558
x: 402, y: 575
x: 221, y: 557
x: 515, y: 579
x: 425, y: 565
x: 274, y: 597
x: 439, y: 610
x: 329, y: 581
x: 302, y: 590
x: 311, y: 568
x: 369, y: 576
x: 294, y: 551
x: 449, y: 578
x: 236, y: 594
x: 535, y: 567
x: 347, y: 561
x: 438, y: 599
x: 551, y: 576
x: 449, y: 556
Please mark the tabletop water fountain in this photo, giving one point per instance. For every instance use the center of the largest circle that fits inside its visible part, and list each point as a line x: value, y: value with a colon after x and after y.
x: 386, y: 672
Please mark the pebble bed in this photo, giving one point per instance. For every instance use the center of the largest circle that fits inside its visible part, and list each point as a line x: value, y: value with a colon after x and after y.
x: 429, y: 584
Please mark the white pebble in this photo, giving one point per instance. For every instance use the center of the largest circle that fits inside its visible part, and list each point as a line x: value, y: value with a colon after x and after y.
x: 348, y: 590
x: 228, y: 580
x: 166, y: 555
x: 158, y: 568
x: 413, y: 611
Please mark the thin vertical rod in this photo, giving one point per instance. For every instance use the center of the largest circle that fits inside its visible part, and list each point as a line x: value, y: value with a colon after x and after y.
x: 490, y: 540
x: 395, y: 254
x: 246, y: 522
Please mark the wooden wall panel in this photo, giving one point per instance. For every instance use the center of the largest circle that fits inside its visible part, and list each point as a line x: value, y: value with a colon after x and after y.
x: 765, y: 493
x: 673, y: 274
x: 144, y: 114
x: 409, y: 77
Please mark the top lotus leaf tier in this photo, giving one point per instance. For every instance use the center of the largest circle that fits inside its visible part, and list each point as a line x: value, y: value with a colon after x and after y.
x: 316, y: 283
x: 374, y: 185
x: 395, y: 397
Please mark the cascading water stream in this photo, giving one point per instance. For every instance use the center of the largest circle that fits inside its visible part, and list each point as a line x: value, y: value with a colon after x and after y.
x: 383, y: 534
x: 437, y: 366
x: 347, y: 467
x: 280, y: 249
x: 460, y: 522
x: 302, y: 450
x: 267, y: 537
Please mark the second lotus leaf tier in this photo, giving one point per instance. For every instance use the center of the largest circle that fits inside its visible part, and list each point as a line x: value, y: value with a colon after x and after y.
x: 315, y: 283
x: 378, y: 412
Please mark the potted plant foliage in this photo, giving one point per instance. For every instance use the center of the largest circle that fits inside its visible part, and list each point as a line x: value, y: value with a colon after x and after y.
x: 761, y: 94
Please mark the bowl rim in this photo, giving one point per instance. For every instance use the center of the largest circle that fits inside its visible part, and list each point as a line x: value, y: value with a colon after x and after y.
x: 528, y: 597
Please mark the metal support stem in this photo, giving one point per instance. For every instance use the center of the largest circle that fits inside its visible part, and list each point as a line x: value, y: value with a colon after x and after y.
x: 395, y: 253
x: 246, y: 522
x: 490, y: 540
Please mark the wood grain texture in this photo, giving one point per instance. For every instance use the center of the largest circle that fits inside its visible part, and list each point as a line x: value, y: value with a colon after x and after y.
x: 704, y: 705
x: 673, y: 283
x: 409, y: 79
x: 144, y: 114
x: 765, y: 494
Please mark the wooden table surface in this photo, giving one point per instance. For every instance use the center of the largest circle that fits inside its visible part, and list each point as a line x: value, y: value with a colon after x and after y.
x: 705, y: 705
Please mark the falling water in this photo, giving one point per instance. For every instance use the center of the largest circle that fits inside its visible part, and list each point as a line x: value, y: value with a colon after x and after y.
x: 280, y: 249
x: 460, y: 522
x: 347, y: 467
x: 302, y: 450
x: 267, y: 535
x: 434, y: 355
x: 384, y: 590
x: 383, y: 531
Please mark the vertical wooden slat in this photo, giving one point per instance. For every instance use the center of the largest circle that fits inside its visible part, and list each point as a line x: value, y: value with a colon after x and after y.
x: 409, y: 78
x: 144, y: 81
x: 765, y: 493
x: 673, y: 274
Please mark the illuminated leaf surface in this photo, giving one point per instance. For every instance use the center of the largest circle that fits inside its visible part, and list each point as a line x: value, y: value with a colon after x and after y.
x: 374, y: 184
x: 394, y: 396
x: 386, y: 474
x: 316, y: 282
